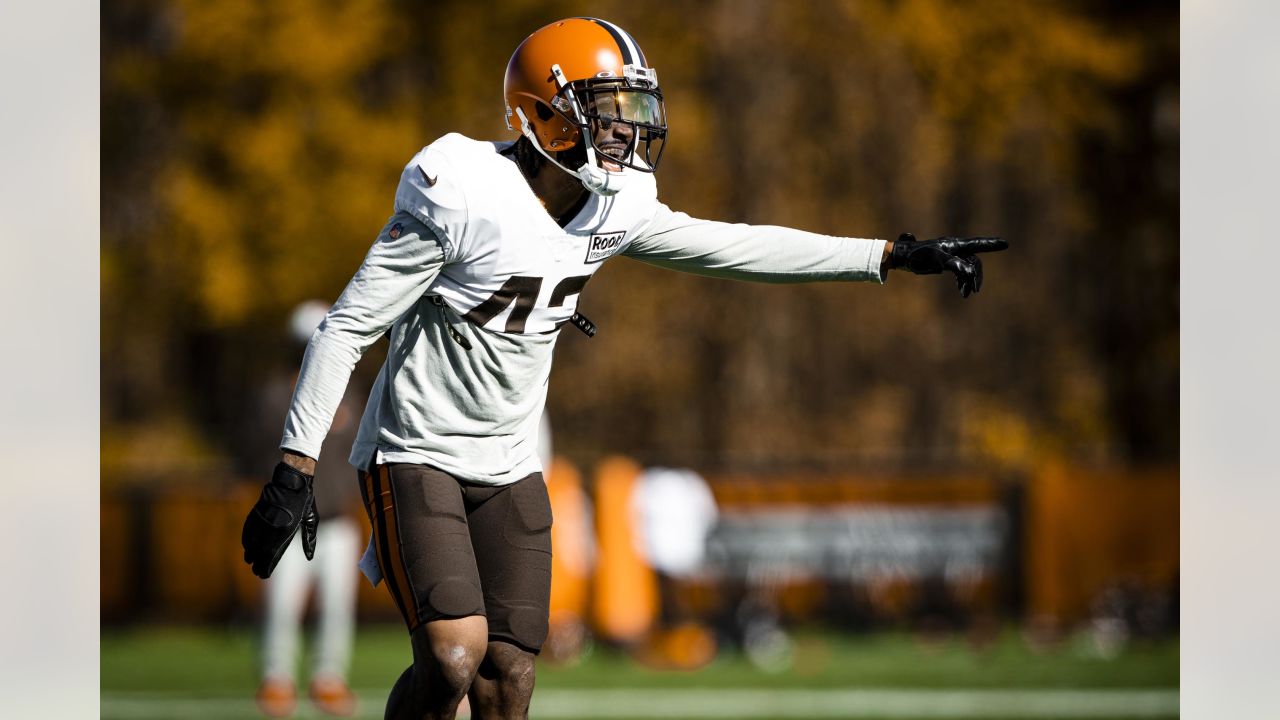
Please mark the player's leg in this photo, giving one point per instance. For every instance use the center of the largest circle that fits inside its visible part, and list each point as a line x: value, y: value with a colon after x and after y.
x: 284, y: 601
x: 337, y: 550
x: 446, y: 655
x: 503, y: 687
x: 511, y: 534
x: 424, y: 551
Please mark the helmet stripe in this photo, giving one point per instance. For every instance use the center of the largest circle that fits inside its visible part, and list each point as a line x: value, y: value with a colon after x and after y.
x: 635, y: 46
x: 631, y: 54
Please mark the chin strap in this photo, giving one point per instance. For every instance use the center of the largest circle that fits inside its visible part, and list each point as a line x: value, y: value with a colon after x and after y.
x: 601, y: 181
x: 593, y: 178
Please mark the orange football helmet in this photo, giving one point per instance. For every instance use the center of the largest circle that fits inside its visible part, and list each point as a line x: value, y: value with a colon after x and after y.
x: 575, y: 76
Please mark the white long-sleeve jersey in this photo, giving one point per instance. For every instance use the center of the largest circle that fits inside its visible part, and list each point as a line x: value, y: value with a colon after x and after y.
x: 473, y: 278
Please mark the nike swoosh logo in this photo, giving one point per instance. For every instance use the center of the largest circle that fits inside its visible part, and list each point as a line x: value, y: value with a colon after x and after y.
x: 431, y: 181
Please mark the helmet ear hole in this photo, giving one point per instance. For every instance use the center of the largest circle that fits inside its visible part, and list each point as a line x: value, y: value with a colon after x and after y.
x: 543, y: 111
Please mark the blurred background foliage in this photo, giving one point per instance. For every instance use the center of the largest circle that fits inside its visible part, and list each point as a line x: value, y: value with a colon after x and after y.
x: 251, y: 151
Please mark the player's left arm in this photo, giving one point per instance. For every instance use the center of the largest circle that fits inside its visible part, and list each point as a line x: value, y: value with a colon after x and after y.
x: 768, y: 253
x: 760, y: 253
x: 956, y: 255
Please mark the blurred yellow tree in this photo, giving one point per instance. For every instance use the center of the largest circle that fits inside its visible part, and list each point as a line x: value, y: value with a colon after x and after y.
x: 251, y: 152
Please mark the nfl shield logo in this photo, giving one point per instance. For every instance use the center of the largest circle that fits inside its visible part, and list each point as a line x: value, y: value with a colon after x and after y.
x: 395, y: 231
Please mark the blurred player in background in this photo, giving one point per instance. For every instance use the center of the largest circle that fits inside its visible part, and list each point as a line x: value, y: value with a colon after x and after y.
x: 332, y: 575
x: 677, y: 511
x: 481, y: 265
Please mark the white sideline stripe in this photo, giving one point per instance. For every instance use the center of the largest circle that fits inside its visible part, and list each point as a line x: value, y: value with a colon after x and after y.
x: 729, y: 703
x: 860, y: 703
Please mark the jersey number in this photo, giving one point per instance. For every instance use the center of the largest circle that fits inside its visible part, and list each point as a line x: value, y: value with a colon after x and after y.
x: 524, y: 291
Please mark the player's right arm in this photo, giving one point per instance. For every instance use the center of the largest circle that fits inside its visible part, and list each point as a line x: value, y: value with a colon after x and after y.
x: 398, y: 269
x: 395, y: 273
x: 422, y: 236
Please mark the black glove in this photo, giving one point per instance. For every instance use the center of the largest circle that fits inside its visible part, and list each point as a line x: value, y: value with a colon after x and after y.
x: 958, y: 255
x: 286, y: 504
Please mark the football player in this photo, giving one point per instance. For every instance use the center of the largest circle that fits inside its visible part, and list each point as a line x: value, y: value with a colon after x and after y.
x: 474, y: 277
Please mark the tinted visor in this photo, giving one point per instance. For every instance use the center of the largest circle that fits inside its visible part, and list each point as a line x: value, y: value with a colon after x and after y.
x: 617, y: 103
x: 607, y: 102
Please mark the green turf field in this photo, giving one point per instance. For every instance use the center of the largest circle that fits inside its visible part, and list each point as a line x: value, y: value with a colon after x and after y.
x: 201, y: 673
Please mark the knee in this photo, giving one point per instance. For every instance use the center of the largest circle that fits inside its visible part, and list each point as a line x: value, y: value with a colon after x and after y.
x: 458, y: 658
x: 518, y: 671
x: 510, y: 667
